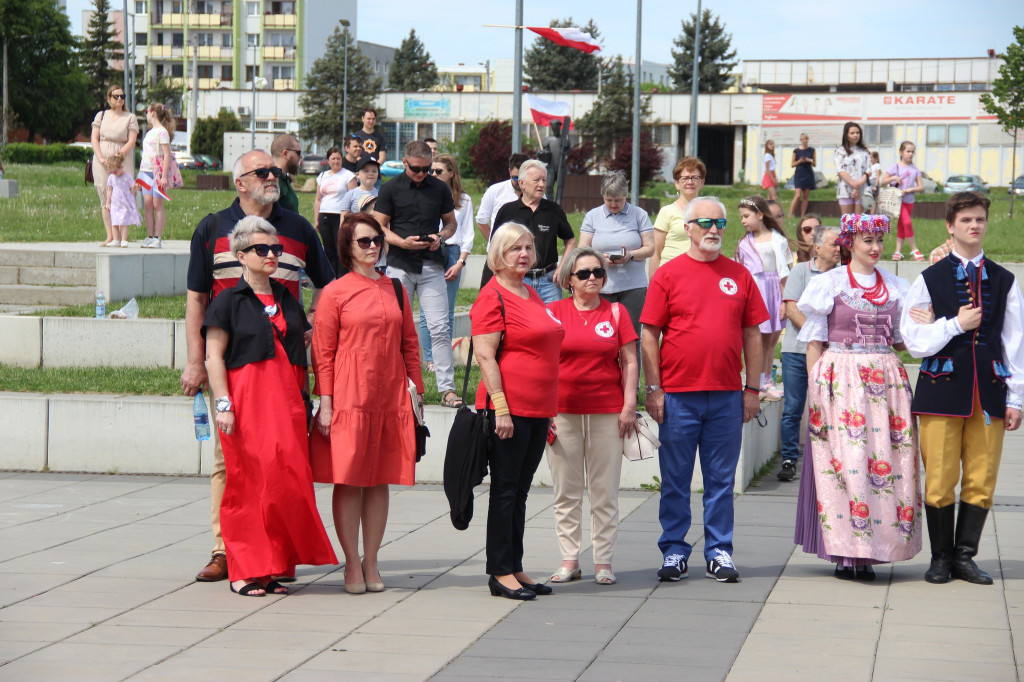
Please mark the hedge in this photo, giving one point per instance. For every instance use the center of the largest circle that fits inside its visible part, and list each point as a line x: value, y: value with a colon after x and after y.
x: 23, y: 152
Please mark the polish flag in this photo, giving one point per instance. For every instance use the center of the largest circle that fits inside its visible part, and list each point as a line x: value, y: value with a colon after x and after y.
x: 154, y: 188
x: 547, y: 110
x: 568, y: 37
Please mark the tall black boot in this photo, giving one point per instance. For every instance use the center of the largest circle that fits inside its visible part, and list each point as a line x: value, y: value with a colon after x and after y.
x: 969, y: 524
x: 940, y: 534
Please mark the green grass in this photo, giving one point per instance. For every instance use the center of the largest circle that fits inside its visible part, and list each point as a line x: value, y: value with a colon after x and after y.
x: 156, y: 307
x: 115, y: 380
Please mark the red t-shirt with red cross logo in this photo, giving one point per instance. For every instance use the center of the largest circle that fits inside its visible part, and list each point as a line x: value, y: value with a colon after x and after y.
x: 702, y: 308
x: 589, y: 377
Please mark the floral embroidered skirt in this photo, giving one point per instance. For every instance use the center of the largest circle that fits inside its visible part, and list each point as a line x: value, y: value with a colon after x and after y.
x: 860, y: 499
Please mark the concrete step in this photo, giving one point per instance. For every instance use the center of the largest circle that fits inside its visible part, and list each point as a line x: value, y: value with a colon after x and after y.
x: 30, y: 257
x: 12, y: 274
x: 34, y: 294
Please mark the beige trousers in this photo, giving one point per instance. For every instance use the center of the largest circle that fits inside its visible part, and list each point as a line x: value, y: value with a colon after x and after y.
x: 217, y: 481
x: 587, y: 453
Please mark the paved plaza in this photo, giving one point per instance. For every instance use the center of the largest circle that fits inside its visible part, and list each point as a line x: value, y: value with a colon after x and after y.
x: 97, y: 585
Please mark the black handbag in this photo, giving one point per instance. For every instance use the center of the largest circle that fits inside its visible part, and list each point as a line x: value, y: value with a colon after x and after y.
x: 468, y: 451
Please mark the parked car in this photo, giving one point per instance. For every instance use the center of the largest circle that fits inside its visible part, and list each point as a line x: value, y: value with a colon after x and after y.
x: 310, y: 165
x: 187, y: 161
x: 209, y: 162
x: 930, y: 186
x: 392, y: 168
x: 1017, y: 187
x: 820, y: 181
x: 964, y: 183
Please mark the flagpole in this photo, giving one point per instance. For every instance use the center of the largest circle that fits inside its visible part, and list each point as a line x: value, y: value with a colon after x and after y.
x: 635, y: 185
x: 692, y: 151
x: 517, y: 84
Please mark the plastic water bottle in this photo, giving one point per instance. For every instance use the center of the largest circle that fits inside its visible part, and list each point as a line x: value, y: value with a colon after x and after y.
x: 101, y: 304
x: 201, y: 416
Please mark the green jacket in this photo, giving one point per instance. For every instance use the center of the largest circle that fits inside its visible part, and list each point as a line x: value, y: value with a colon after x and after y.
x: 289, y: 199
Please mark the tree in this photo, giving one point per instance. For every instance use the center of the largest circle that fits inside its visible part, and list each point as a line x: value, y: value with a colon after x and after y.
x: 208, y: 136
x: 490, y: 153
x: 651, y: 158
x: 47, y: 89
x: 550, y: 66
x: 716, y: 57
x: 1006, y: 102
x: 412, y: 69
x: 323, y: 101
x: 611, y: 117
x: 164, y: 92
x: 98, y: 48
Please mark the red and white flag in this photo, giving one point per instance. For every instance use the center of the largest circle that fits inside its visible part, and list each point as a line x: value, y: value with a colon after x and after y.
x: 568, y: 37
x: 154, y: 188
x: 547, y: 110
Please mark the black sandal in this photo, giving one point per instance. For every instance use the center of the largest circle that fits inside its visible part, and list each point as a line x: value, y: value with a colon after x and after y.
x: 451, y: 399
x: 274, y: 587
x: 248, y: 589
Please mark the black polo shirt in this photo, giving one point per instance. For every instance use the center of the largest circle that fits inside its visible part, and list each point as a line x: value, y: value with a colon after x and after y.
x: 414, y: 209
x: 548, y: 224
x: 348, y: 165
x: 239, y: 312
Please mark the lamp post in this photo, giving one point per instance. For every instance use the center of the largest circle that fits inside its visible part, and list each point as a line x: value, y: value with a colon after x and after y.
x: 252, y: 114
x: 345, y: 23
x: 692, y: 151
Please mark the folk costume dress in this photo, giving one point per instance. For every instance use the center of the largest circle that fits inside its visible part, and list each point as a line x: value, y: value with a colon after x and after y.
x: 366, y: 349
x: 860, y: 500
x: 268, y: 515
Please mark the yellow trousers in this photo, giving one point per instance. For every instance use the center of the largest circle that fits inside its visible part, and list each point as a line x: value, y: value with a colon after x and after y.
x: 949, y: 443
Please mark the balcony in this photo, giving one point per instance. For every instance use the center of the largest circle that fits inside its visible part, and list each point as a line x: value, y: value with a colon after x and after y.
x: 215, y: 53
x: 278, y: 20
x: 284, y: 83
x: 279, y: 53
x: 169, y: 20
x: 165, y: 52
x: 209, y: 20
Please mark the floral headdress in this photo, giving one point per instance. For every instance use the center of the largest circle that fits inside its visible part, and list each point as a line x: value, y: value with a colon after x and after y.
x: 856, y: 222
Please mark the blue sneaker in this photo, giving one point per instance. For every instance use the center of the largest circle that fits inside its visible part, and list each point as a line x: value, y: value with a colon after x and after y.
x: 673, y: 569
x: 722, y: 569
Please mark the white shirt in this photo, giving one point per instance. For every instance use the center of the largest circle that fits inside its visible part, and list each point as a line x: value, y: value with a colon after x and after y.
x: 464, y: 234
x: 928, y: 339
x: 496, y: 196
x: 333, y: 187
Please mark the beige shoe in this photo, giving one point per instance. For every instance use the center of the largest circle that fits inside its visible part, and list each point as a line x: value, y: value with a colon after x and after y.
x: 564, y: 575
x: 605, y: 577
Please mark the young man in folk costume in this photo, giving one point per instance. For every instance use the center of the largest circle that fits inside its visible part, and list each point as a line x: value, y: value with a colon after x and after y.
x: 969, y: 390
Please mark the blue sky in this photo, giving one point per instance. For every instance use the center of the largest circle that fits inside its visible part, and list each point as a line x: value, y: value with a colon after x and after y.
x: 761, y: 29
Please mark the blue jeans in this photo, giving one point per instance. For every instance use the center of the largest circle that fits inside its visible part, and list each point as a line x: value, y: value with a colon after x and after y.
x: 451, y: 256
x: 545, y: 287
x: 711, y: 421
x: 794, y: 384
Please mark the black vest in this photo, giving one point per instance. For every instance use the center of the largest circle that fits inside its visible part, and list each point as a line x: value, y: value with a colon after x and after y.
x: 975, y: 358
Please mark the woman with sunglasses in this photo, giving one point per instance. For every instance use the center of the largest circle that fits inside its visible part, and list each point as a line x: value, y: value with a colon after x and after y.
x: 597, y: 377
x: 516, y: 343
x: 331, y: 187
x: 113, y: 130
x: 456, y: 249
x: 365, y: 353
x: 794, y: 352
x: 256, y: 360
x: 805, y: 237
x: 860, y: 495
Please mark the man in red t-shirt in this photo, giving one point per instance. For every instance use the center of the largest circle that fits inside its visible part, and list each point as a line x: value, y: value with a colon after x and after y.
x: 704, y: 309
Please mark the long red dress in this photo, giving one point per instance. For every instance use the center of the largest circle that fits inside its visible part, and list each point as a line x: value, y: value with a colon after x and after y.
x: 268, y: 516
x: 366, y: 349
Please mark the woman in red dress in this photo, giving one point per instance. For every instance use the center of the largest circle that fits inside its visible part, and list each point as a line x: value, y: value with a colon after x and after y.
x: 365, y: 351
x: 256, y: 360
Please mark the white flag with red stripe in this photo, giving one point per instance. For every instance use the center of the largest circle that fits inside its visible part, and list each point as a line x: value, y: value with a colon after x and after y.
x: 547, y: 110
x: 154, y: 188
x: 568, y: 37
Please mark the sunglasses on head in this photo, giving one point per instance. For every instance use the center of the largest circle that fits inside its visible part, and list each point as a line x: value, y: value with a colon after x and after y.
x: 584, y: 274
x: 418, y: 169
x: 263, y: 249
x: 365, y: 242
x: 708, y: 223
x: 262, y: 173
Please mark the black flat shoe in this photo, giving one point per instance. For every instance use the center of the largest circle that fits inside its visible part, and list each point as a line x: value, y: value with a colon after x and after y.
x: 865, y: 573
x: 499, y: 590
x: 846, y: 573
x: 537, y: 589
x: 248, y: 589
x: 275, y: 587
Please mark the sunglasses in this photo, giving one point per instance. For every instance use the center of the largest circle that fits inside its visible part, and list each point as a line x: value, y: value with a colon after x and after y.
x: 263, y: 249
x: 438, y: 171
x: 366, y: 242
x: 117, y: 97
x: 418, y: 169
x: 807, y: 230
x: 297, y: 152
x: 263, y: 173
x: 708, y: 223
x: 585, y: 274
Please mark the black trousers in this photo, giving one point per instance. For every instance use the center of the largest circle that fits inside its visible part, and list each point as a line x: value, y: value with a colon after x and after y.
x: 328, y: 226
x: 513, y: 462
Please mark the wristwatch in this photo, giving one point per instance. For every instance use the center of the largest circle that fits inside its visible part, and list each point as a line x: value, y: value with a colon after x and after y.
x: 462, y: 263
x: 224, y: 404
x: 652, y: 388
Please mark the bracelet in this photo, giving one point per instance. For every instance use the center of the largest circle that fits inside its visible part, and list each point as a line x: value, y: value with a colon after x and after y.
x: 462, y: 263
x: 500, y: 404
x: 751, y: 389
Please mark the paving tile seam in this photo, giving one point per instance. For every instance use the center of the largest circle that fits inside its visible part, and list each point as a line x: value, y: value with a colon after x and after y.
x: 1002, y: 583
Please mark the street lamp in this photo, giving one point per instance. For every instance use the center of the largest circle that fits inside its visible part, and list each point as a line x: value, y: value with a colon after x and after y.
x: 345, y: 23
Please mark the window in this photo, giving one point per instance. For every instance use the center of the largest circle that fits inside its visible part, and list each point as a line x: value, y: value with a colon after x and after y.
x: 226, y: 72
x: 225, y: 40
x: 177, y: 39
x: 280, y: 125
x: 406, y: 134
x: 252, y: 39
x: 177, y: 71
x: 878, y: 135
x: 281, y: 39
x: 443, y: 132
x: 160, y: 39
x: 958, y: 135
x: 141, y: 38
x: 663, y: 135
x: 205, y: 39
x: 282, y: 8
x: 175, y: 7
x: 205, y: 71
x: 936, y: 135
x: 140, y: 7
x: 278, y: 72
x: 252, y: 9
x: 204, y: 7
x: 159, y: 71
x: 976, y: 87
x: 248, y: 73
x: 262, y: 125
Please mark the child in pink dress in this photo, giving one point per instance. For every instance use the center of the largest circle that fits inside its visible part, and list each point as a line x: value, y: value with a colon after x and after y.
x: 120, y: 201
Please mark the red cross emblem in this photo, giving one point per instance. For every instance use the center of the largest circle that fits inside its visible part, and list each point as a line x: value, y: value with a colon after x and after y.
x: 728, y: 286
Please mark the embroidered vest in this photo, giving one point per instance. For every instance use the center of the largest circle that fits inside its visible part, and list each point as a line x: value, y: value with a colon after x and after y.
x: 975, y: 358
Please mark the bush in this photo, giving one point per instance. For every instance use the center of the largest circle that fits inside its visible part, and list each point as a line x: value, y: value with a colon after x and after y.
x: 490, y: 154
x: 581, y: 158
x: 208, y: 137
x: 651, y: 158
x: 468, y: 137
x: 24, y: 152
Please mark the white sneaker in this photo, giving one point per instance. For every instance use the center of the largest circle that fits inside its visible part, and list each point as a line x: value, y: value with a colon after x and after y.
x: 147, y: 243
x: 157, y: 243
x: 124, y: 245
